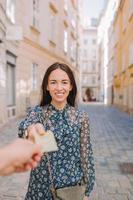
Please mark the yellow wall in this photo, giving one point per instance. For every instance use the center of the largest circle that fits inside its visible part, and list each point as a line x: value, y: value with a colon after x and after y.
x: 123, y: 80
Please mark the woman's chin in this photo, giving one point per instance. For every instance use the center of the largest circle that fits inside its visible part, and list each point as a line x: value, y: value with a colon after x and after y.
x: 60, y: 100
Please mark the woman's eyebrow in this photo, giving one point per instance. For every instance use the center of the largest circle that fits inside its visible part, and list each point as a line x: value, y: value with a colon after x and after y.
x: 57, y: 80
x: 65, y: 80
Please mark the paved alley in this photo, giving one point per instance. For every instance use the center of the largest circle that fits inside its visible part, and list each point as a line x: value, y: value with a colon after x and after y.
x: 112, y: 138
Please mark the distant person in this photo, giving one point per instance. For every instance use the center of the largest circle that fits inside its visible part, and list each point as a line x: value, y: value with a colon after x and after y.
x: 93, y: 98
x: 72, y: 164
x: 88, y: 94
x: 19, y: 156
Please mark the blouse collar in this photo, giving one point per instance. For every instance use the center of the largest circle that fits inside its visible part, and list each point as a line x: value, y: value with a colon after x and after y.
x: 53, y: 108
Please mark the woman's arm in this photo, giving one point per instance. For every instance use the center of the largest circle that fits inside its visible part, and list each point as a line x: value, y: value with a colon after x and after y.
x: 87, y: 159
x: 34, y: 115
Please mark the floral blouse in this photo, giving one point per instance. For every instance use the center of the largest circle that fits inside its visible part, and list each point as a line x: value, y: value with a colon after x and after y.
x: 73, y: 163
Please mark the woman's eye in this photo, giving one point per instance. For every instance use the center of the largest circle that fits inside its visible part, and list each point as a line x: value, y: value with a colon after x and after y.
x: 52, y: 82
x: 65, y: 82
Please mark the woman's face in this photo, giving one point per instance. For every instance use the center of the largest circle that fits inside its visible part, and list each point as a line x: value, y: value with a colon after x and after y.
x: 59, y: 87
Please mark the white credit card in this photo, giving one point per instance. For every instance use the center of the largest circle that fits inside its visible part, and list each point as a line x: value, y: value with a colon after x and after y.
x: 47, y: 141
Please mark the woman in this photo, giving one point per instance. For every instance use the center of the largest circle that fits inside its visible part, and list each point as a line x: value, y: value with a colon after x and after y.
x: 73, y: 163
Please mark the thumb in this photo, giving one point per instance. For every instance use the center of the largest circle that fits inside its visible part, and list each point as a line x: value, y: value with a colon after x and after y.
x: 40, y: 129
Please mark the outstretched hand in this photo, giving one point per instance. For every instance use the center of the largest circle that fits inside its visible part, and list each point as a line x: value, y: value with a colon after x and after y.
x: 19, y: 156
x: 35, y: 129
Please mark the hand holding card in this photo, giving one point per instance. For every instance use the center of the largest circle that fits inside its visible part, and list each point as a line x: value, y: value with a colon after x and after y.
x: 46, y: 139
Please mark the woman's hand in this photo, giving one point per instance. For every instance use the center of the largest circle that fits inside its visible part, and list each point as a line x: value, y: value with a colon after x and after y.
x: 86, y: 198
x: 35, y: 129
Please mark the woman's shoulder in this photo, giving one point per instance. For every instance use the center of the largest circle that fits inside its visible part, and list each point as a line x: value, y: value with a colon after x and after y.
x: 79, y: 113
x: 34, y: 108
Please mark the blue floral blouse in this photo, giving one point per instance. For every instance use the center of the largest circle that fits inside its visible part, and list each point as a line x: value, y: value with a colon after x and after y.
x: 73, y: 163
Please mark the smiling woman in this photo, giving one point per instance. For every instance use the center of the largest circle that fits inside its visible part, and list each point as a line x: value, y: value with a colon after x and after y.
x: 57, y: 75
x: 71, y: 167
x: 59, y: 87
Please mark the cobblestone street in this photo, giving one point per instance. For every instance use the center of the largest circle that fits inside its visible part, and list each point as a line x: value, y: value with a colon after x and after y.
x: 112, y: 138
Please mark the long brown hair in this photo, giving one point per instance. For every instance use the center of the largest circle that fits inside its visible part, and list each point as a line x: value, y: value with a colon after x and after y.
x: 45, y: 96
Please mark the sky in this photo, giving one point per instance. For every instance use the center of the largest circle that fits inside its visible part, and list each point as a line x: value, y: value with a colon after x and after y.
x: 92, y: 8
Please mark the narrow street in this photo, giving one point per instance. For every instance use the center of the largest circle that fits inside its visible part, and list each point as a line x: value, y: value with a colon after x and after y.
x: 112, y: 138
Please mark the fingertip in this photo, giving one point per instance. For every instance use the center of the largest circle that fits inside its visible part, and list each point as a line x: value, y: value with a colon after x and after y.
x: 37, y: 158
x: 42, y: 132
x: 27, y: 167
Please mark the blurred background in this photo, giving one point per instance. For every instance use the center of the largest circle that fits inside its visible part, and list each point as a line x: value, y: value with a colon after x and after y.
x: 95, y: 38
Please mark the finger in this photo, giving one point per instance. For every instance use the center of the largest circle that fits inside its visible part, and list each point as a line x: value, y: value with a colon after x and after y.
x: 9, y: 170
x: 31, y: 139
x: 36, y: 158
x: 31, y: 127
x: 31, y: 165
x: 21, y: 169
x: 32, y: 135
x: 27, y: 167
x: 34, y: 164
x: 40, y: 129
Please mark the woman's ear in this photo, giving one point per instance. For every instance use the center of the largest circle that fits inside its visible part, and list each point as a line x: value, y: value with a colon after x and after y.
x: 71, y: 87
x: 47, y: 88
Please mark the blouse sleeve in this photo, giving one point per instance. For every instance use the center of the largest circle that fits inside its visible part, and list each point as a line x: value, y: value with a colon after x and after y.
x: 32, y: 117
x: 87, y: 159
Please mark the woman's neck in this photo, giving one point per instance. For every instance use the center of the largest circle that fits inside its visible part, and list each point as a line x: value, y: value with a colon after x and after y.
x: 58, y: 106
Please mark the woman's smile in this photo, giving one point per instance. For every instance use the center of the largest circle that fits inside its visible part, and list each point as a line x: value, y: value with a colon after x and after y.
x: 59, y: 87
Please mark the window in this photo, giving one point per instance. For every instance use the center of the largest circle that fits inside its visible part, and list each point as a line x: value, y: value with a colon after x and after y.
x: 124, y: 21
x: 93, y: 41
x: 93, y: 80
x: 131, y: 54
x: 10, y: 85
x: 35, y: 13
x: 34, y: 76
x: 65, y: 41
x: 116, y: 35
x: 53, y: 28
x: 66, y: 5
x: 115, y: 64
x: 85, y: 41
x: 123, y: 62
x: 73, y: 23
x: 125, y: 96
x: 10, y: 10
x: 85, y: 80
x: 10, y: 79
x: 93, y: 65
x: 131, y: 99
x: 85, y: 66
x: 85, y: 53
x: 130, y: 8
x: 73, y: 50
x: 94, y: 53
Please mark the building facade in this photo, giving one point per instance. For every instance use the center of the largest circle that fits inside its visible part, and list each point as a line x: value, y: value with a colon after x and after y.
x: 105, y: 51
x: 50, y: 32
x: 88, y: 63
x: 123, y: 53
x: 8, y: 59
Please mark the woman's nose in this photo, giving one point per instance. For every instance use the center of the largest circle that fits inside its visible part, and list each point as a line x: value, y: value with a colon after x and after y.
x: 59, y: 86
